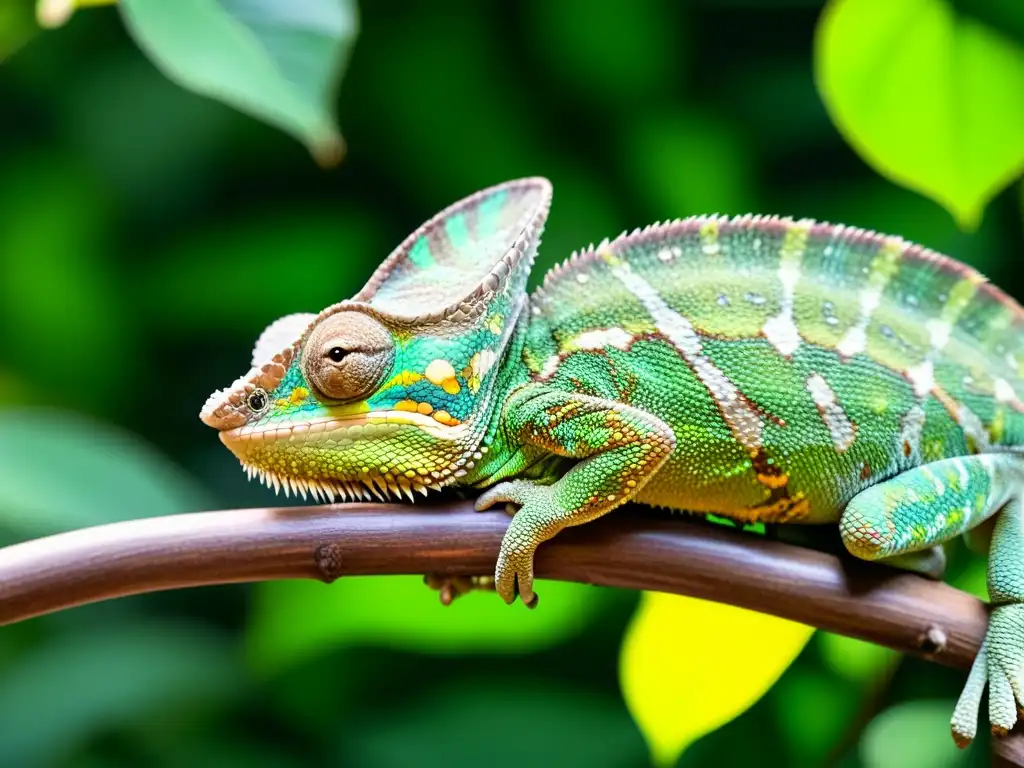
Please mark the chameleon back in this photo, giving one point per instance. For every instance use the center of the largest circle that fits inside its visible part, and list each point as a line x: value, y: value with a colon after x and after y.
x: 798, y: 362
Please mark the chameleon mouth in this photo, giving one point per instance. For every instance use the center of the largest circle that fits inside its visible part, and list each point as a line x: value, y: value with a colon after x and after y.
x: 355, y: 427
x: 249, y: 444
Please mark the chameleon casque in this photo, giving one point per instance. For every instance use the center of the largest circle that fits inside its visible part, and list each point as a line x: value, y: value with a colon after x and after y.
x: 755, y: 367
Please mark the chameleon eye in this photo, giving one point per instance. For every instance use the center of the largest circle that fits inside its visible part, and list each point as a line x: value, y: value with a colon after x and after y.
x: 257, y: 400
x: 347, y: 355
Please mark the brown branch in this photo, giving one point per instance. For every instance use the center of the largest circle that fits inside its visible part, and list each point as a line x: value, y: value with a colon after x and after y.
x: 900, y: 610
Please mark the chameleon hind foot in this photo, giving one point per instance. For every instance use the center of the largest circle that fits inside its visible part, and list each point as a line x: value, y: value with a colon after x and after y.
x: 449, y: 588
x: 1000, y: 664
x: 931, y: 504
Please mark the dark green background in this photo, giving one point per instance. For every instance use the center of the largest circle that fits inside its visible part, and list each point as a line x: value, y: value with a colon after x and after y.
x: 148, y: 235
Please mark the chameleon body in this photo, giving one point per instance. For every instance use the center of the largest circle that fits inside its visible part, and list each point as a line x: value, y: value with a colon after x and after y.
x: 754, y: 367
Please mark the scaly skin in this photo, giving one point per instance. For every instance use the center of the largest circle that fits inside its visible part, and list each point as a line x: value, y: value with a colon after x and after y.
x: 758, y: 368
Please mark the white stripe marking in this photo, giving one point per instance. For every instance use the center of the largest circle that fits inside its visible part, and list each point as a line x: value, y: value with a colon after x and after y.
x: 599, y: 339
x: 550, y: 367
x: 1004, y: 392
x: 781, y: 330
x: 832, y: 414
x: 882, y: 267
x: 922, y: 377
x: 744, y: 422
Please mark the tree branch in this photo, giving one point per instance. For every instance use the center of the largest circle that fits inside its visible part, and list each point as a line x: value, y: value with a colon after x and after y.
x: 900, y: 610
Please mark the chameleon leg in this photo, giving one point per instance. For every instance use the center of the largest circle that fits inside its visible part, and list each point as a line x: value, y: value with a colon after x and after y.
x: 932, y: 504
x: 619, y: 448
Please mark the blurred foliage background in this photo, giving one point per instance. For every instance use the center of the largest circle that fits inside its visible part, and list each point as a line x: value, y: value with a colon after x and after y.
x: 148, y: 234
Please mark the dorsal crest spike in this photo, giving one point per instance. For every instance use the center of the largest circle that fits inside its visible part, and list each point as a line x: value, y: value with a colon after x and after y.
x: 733, y: 241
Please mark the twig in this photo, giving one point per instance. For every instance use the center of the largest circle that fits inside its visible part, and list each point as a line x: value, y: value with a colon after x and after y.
x: 900, y: 610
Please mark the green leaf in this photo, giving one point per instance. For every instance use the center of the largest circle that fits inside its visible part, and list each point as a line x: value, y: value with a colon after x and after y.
x: 686, y: 666
x: 294, y: 620
x: 279, y: 62
x: 503, y: 723
x: 915, y: 733
x: 59, y: 471
x: 930, y: 99
x: 76, y: 685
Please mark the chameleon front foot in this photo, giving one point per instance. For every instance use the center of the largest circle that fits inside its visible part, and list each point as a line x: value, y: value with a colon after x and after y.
x: 449, y: 588
x: 537, y: 520
x: 1000, y: 664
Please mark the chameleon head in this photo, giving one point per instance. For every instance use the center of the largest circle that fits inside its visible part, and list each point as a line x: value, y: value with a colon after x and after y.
x: 390, y: 392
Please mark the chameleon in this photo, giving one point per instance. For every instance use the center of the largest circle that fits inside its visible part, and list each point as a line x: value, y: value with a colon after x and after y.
x: 761, y: 368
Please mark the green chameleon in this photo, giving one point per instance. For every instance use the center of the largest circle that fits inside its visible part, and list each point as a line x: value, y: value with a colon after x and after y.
x: 758, y: 368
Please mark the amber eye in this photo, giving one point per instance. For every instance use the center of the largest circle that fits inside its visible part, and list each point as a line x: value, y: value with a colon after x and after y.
x: 257, y: 400
x: 347, y: 355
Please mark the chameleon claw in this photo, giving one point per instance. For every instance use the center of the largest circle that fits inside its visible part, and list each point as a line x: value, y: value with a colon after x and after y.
x: 532, y: 601
x: 449, y: 588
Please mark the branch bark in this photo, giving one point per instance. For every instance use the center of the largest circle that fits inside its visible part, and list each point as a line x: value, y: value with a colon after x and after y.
x: 900, y: 610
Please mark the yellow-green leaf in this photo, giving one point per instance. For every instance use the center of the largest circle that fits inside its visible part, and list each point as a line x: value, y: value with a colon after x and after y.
x: 689, y: 666
x: 280, y: 62
x: 931, y: 99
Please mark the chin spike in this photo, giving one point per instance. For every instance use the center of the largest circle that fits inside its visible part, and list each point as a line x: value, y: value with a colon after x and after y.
x: 373, y: 489
x: 403, y: 483
x: 328, y: 488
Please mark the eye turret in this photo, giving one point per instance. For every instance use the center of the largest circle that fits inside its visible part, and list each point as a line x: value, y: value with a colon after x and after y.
x: 257, y: 400
x: 347, y: 355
